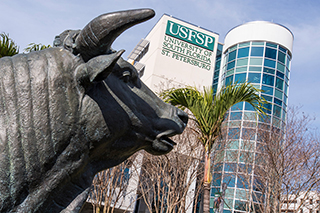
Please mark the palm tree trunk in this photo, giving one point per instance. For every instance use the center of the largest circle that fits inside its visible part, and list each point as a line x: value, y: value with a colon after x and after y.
x: 206, y: 184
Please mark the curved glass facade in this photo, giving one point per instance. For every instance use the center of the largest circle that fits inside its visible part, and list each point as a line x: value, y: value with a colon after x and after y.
x: 267, y: 66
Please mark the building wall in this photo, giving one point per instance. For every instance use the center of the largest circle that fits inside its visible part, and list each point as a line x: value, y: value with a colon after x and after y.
x: 260, y: 53
x: 180, y: 52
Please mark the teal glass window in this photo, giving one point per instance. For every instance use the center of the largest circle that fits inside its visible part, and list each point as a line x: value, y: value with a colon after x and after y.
x: 268, y: 79
x: 232, y: 48
x: 234, y: 133
x: 243, y: 181
x: 255, y: 69
x: 232, y: 55
x: 229, y: 180
x: 258, y: 43
x: 280, y: 67
x: 241, y: 205
x: 268, y: 70
x: 271, y: 45
x: 286, y: 89
x: 280, y: 74
x: 231, y: 65
x: 282, y: 57
x: 217, y: 167
x: 254, y: 78
x: 267, y: 90
x: 230, y: 167
x: 282, y: 49
x: 277, y: 111
x: 270, y: 53
x: 241, y: 69
x: 257, y: 51
x: 267, y: 98
x: 248, y: 107
x: 251, y: 116
x: 278, y: 94
x: 241, y: 194
x: 216, y: 179
x: 248, y: 134
x: 269, y: 63
x: 238, y: 106
x: 229, y: 80
x: 268, y: 108
x: 244, y: 44
x: 232, y: 155
x: 279, y: 84
x: 240, y: 78
x: 230, y: 72
x: 277, y: 101
x: 256, y: 61
x: 242, y: 62
x: 235, y: 115
x: 243, y: 52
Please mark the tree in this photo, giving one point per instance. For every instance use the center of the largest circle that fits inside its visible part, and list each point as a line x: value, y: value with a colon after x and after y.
x: 168, y: 183
x: 208, y: 112
x: 111, y: 188
x: 7, y: 46
x: 289, y: 165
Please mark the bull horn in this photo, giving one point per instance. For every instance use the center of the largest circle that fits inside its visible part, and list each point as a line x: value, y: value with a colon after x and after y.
x: 97, y: 37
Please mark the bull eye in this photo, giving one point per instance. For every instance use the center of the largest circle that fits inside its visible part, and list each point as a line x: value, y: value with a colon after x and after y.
x: 126, y: 76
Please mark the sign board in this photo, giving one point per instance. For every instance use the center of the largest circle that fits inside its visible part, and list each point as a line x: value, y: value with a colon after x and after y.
x: 188, y: 45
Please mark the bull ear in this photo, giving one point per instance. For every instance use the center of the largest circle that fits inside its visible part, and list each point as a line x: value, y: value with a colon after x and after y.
x: 100, y: 67
x: 96, y: 69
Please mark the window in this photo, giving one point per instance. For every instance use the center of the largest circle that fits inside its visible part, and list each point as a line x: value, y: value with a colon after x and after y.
x: 254, y: 78
x: 255, y: 69
x: 242, y: 62
x: 268, y: 79
x: 269, y: 63
x: 257, y: 51
x: 243, y: 52
x: 267, y: 90
x: 270, y: 53
x: 256, y: 61
x: 236, y: 116
x: 282, y: 57
x: 280, y: 67
x: 229, y: 80
x: 279, y: 83
x: 238, y: 106
x: 268, y: 70
x: 231, y: 65
x: 280, y: 74
x: 240, y: 78
x: 232, y: 55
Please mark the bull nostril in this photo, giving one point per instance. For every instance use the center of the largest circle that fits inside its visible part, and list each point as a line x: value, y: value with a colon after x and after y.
x: 183, y: 116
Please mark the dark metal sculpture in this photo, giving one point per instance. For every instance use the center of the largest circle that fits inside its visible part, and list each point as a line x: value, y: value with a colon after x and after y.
x: 71, y: 111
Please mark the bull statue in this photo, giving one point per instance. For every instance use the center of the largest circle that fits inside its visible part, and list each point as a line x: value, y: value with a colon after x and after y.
x: 70, y: 111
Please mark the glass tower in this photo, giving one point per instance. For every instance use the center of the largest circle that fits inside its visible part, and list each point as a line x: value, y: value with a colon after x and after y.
x: 259, y: 53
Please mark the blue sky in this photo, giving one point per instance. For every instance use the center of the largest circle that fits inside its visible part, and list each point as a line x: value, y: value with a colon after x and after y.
x: 40, y: 21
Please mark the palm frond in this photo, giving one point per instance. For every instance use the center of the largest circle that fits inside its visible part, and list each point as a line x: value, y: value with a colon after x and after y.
x: 7, y: 46
x: 36, y: 47
x: 209, y: 110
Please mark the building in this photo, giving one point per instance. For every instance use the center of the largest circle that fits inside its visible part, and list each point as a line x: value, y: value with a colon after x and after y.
x: 260, y: 53
x: 176, y: 53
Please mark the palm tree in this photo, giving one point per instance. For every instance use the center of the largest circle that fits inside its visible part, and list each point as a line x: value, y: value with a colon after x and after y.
x: 7, y: 46
x: 209, y: 112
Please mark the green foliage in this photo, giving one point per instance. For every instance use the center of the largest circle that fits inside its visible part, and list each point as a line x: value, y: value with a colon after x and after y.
x: 7, y: 46
x: 209, y: 111
x: 35, y: 47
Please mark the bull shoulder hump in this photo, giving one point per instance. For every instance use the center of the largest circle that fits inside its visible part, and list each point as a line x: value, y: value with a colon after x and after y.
x: 38, y: 107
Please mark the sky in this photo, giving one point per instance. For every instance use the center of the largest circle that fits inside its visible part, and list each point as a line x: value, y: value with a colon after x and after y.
x: 39, y: 21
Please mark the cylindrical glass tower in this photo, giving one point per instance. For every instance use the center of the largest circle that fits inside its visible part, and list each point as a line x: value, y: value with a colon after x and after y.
x: 258, y: 52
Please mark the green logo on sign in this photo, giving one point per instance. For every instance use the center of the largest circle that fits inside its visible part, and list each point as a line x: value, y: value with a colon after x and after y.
x: 189, y: 35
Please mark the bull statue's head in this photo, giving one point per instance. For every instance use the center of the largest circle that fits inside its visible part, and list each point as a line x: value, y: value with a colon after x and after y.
x: 79, y: 108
